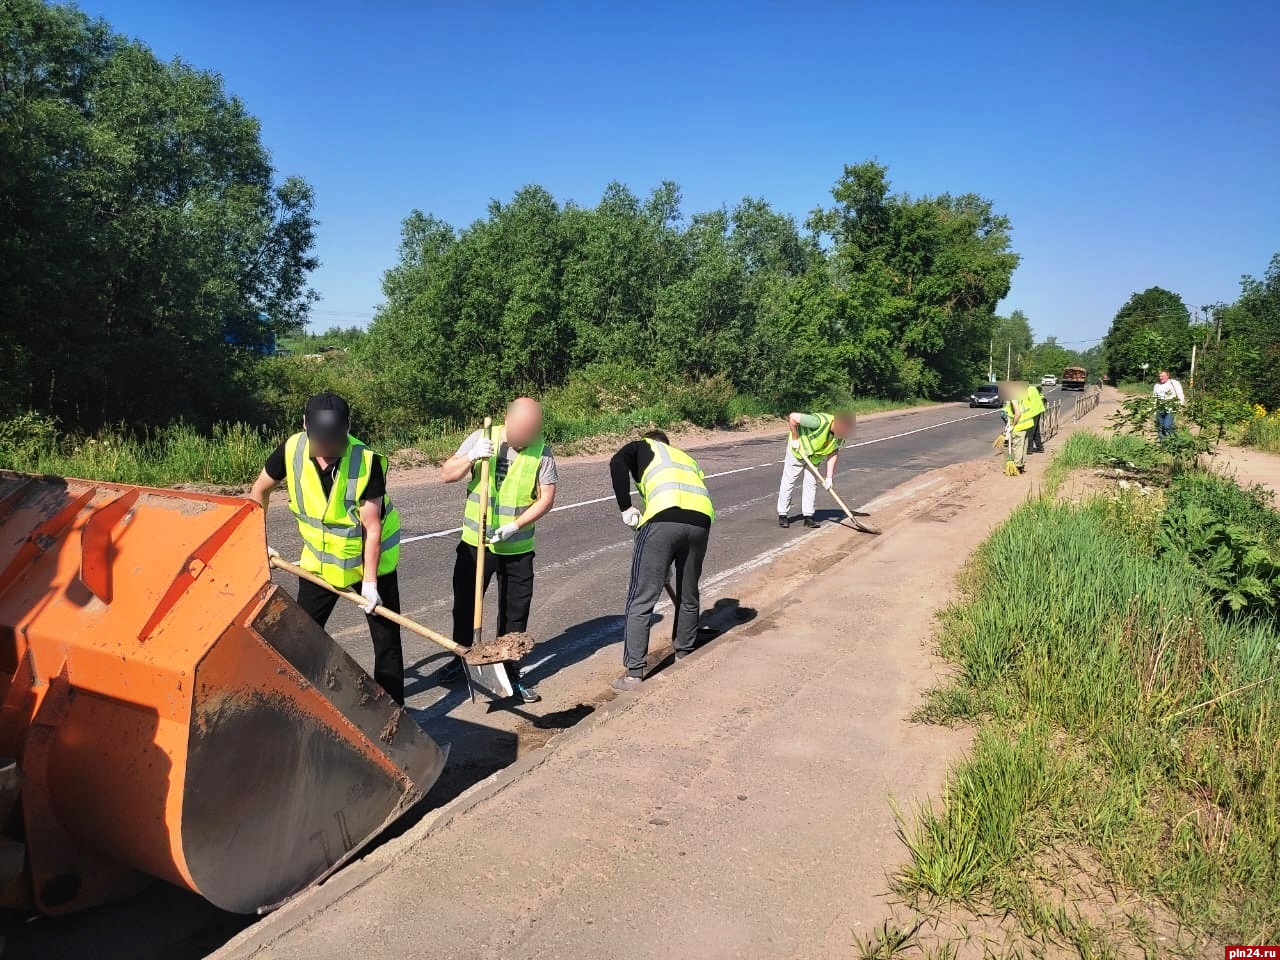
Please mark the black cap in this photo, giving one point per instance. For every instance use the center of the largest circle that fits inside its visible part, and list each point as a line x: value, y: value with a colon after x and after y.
x: 328, y: 417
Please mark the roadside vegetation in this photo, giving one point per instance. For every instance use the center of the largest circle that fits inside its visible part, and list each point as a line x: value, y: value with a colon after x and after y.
x: 1120, y: 659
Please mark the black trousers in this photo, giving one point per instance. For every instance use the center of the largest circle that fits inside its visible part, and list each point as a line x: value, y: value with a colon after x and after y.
x: 1037, y: 443
x: 388, y: 655
x: 515, y: 594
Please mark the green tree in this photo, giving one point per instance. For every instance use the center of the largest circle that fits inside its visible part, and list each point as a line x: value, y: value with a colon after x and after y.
x: 146, y: 254
x: 1153, y: 327
x: 1012, y: 343
x: 1241, y: 349
x: 919, y: 279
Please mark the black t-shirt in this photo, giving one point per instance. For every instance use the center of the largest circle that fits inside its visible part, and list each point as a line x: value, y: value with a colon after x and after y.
x: 375, y: 489
x: 629, y: 464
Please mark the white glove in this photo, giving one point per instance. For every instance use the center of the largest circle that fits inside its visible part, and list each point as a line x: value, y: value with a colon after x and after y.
x: 826, y: 483
x: 504, y: 532
x: 631, y: 517
x: 794, y: 444
x: 370, y: 593
x: 482, y: 450
x: 272, y: 554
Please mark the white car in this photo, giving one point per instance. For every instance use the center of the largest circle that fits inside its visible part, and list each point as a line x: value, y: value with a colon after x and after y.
x: 1048, y: 380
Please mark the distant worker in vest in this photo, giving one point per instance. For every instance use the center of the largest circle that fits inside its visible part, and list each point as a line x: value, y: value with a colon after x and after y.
x: 350, y: 531
x: 1018, y: 422
x: 819, y: 436
x: 523, y: 488
x: 1034, y: 405
x: 672, y: 528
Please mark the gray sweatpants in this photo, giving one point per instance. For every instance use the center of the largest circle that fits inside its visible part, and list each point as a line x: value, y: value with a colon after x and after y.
x: 658, y: 546
x: 792, y: 468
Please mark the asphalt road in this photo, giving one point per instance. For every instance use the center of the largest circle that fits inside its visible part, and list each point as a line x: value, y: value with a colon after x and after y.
x: 582, y: 567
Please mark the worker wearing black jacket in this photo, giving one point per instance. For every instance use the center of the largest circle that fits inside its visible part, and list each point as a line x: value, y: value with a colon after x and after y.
x: 672, y: 528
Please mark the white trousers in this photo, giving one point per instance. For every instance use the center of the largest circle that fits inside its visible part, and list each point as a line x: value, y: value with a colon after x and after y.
x: 792, y: 468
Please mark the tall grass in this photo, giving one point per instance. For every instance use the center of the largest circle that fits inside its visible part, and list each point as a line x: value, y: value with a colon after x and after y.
x: 1264, y: 433
x: 232, y: 456
x: 1110, y: 692
x: 1087, y: 449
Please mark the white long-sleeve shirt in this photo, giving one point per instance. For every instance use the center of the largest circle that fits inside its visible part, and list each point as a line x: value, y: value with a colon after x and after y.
x: 1171, y: 390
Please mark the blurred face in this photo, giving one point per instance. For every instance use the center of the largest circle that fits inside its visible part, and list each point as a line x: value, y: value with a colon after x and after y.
x: 1164, y: 376
x: 843, y: 427
x: 524, y: 422
x: 323, y: 448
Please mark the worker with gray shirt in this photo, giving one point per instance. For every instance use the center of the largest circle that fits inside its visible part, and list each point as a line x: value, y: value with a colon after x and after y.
x: 819, y: 436
x: 671, y: 529
x: 523, y: 489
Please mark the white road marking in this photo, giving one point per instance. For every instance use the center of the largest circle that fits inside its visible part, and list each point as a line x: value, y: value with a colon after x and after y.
x: 710, y: 476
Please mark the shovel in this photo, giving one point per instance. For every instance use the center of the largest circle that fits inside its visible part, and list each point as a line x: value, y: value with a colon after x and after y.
x: 482, y: 671
x: 853, y: 517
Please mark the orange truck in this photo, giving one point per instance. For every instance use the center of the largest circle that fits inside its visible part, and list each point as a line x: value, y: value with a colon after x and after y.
x: 167, y: 711
x: 1074, y: 378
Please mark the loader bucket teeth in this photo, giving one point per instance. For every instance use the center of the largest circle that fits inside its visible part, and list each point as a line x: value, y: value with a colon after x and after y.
x: 173, y: 713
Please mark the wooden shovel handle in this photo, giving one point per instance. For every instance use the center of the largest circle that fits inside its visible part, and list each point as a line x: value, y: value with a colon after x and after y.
x: 411, y: 625
x: 817, y: 476
x: 483, y: 534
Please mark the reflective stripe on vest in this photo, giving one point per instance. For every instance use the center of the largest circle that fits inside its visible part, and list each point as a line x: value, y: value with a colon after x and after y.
x: 507, y: 502
x: 1024, y: 421
x: 672, y: 479
x: 819, y: 442
x: 332, y: 535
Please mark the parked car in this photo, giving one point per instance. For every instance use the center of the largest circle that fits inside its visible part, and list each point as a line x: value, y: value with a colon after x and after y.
x: 985, y: 395
x: 1048, y: 380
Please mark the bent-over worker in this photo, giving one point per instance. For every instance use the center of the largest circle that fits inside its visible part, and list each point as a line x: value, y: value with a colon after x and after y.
x: 350, y: 531
x: 522, y: 488
x: 819, y: 436
x: 1018, y: 424
x: 672, y: 529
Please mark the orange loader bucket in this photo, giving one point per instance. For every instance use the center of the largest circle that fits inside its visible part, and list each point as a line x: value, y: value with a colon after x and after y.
x: 166, y: 711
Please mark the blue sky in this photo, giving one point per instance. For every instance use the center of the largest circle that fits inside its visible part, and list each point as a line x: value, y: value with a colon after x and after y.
x: 1131, y: 144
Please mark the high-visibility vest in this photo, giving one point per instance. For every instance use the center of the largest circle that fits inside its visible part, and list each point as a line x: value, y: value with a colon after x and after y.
x: 506, y: 502
x: 819, y: 442
x: 1034, y: 402
x: 332, y: 535
x: 672, y: 479
x: 1024, y: 422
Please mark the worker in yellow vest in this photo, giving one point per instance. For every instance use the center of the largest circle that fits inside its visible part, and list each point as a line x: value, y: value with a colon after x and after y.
x: 522, y: 489
x: 819, y: 436
x: 671, y: 530
x: 1018, y: 424
x: 350, y: 531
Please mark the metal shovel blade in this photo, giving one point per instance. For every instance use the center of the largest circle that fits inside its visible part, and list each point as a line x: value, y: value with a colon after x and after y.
x: 489, y: 680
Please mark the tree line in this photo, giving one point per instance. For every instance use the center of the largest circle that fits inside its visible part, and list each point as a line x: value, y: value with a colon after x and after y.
x: 150, y: 259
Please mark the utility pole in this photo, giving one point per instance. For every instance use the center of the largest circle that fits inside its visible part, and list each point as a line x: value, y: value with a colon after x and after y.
x: 1193, y: 366
x: 1008, y: 363
x: 991, y: 370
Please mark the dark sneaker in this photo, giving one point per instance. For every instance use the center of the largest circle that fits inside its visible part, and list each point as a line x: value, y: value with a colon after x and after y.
x: 681, y: 654
x: 810, y: 522
x: 784, y: 522
x: 450, y: 673
x: 527, y: 692
x: 627, y: 684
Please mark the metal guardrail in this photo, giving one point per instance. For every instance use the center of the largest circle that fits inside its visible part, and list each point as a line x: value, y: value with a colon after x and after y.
x: 1085, y: 404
